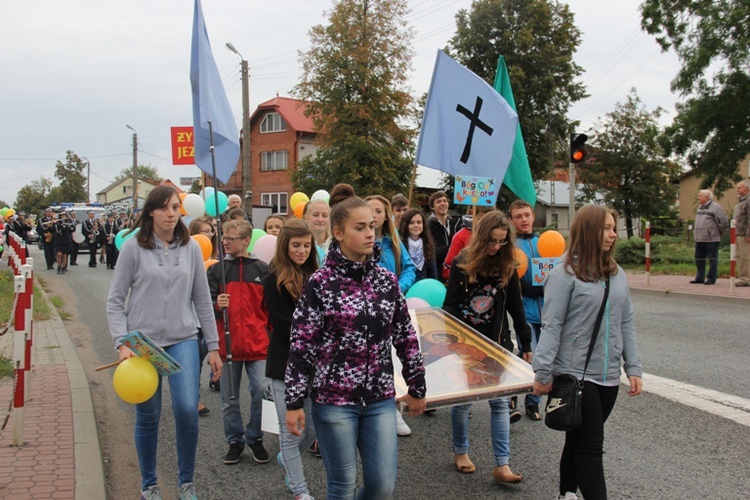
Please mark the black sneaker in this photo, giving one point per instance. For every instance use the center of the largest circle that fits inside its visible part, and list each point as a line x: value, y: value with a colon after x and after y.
x: 515, y: 416
x: 260, y: 454
x: 234, y: 453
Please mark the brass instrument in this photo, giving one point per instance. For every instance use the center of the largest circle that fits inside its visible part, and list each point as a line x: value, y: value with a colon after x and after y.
x: 65, y: 220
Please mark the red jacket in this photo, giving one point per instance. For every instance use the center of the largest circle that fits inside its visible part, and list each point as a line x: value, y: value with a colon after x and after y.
x: 459, y: 242
x: 248, y: 316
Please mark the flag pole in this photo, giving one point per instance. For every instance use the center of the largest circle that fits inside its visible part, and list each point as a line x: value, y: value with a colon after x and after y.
x: 223, y: 282
x: 413, y: 181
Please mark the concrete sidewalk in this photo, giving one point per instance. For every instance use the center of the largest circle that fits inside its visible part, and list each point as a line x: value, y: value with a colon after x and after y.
x: 61, y: 457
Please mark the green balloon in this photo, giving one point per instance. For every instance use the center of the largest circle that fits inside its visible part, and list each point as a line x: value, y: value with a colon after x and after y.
x: 257, y: 234
x: 1, y: 248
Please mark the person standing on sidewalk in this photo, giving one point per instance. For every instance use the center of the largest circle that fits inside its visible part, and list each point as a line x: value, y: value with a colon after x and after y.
x: 742, y: 224
x: 710, y: 223
x: 159, y: 287
x: 248, y: 324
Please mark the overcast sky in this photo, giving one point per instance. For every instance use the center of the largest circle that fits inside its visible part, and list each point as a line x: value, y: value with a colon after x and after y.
x: 75, y: 72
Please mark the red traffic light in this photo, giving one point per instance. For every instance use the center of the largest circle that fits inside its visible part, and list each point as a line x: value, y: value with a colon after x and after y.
x: 577, y: 147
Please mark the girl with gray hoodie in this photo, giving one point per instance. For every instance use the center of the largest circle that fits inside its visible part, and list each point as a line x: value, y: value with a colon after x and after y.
x: 572, y: 298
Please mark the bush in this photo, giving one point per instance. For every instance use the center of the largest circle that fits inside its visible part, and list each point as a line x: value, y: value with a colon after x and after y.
x: 631, y: 251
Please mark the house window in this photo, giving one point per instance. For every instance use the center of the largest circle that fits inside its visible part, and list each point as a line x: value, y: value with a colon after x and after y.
x: 277, y: 200
x: 272, y: 122
x: 274, y: 160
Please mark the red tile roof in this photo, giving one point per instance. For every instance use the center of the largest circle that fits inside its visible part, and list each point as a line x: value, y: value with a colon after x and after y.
x: 292, y: 110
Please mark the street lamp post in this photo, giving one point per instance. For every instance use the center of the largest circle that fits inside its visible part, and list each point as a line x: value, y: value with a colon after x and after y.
x: 88, y: 179
x: 135, y: 168
x: 246, y: 170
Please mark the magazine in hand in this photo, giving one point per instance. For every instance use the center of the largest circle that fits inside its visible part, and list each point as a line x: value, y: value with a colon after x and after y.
x: 143, y: 346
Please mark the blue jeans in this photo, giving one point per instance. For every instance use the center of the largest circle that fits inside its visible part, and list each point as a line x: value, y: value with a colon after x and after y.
x: 706, y: 251
x: 499, y: 427
x: 234, y: 430
x: 536, y: 330
x: 341, y: 431
x: 184, y: 389
x: 293, y: 446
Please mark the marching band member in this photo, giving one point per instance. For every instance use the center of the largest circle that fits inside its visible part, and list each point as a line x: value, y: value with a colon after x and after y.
x: 90, y: 231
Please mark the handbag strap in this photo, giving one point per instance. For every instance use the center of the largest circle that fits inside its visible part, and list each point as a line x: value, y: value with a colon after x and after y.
x: 596, y: 327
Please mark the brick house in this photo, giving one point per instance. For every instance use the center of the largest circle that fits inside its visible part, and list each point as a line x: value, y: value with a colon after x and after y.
x: 280, y: 136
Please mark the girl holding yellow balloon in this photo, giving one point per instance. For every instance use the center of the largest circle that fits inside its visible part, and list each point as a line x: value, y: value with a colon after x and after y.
x: 160, y: 287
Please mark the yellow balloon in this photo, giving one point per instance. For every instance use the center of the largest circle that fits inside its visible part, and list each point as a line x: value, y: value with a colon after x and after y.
x: 135, y: 380
x: 297, y: 198
x: 10, y: 213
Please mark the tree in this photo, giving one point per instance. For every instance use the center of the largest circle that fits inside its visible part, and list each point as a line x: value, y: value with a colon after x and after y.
x: 538, y: 39
x: 72, y: 176
x: 712, y: 126
x: 354, y: 80
x: 144, y: 172
x: 629, y: 165
x: 33, y: 198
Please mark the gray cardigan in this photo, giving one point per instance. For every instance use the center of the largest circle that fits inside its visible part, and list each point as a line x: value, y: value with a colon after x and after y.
x: 155, y: 291
x: 568, y: 317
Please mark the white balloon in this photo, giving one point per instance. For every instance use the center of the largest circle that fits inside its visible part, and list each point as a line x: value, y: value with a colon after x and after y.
x: 321, y: 194
x: 194, y: 205
x: 265, y: 248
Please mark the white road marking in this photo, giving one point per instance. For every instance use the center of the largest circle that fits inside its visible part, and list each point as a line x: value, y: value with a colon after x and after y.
x: 718, y: 403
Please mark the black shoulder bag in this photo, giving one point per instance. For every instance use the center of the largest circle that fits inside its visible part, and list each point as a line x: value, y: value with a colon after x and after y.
x: 563, y: 411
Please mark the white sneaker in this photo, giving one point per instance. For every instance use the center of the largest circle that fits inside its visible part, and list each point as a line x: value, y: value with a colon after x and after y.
x: 569, y: 495
x: 401, y: 428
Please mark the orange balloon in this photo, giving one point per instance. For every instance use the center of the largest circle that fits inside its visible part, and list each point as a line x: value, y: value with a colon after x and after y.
x: 522, y: 261
x: 206, y: 246
x: 299, y: 209
x: 209, y: 263
x: 182, y: 207
x: 551, y: 244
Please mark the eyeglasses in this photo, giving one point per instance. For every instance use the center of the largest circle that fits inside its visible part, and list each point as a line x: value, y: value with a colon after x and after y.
x: 230, y: 239
x: 207, y: 231
x: 500, y: 243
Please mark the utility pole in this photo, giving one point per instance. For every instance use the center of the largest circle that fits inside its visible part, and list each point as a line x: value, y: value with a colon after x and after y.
x: 247, y: 185
x: 88, y: 179
x: 135, y: 168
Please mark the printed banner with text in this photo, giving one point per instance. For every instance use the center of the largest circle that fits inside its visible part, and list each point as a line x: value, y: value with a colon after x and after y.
x: 183, y: 151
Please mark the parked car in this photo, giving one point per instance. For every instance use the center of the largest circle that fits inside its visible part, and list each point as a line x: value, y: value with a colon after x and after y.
x: 33, y: 236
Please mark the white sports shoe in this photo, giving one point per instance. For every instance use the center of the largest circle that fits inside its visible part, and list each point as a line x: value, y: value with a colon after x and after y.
x: 401, y: 428
x: 569, y: 495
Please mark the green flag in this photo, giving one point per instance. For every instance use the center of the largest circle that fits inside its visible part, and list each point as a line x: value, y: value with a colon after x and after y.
x: 518, y: 176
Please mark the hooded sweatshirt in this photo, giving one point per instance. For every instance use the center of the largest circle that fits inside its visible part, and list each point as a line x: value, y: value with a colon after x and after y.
x: 348, y: 318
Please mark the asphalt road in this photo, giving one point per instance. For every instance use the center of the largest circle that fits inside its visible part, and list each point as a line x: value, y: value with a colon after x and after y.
x: 654, y: 448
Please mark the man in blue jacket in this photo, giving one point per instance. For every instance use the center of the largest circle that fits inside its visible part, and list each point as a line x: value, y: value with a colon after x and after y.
x: 522, y: 217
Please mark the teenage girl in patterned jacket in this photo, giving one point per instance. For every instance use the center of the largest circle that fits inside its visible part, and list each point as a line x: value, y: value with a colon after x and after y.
x: 349, y: 316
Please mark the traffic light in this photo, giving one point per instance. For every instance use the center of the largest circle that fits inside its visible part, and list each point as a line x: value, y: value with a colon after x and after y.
x: 577, y: 147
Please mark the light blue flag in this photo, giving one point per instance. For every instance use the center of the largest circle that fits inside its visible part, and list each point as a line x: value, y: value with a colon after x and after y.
x: 210, y: 104
x: 468, y: 129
